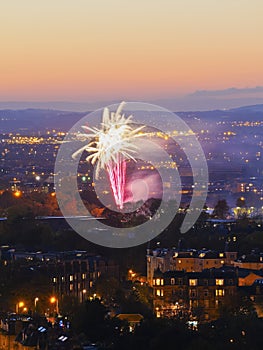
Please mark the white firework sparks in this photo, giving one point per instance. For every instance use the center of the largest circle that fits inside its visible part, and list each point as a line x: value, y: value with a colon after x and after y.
x: 112, y: 142
x: 110, y: 147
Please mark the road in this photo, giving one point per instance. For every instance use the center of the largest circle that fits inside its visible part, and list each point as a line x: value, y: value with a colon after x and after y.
x: 8, y: 343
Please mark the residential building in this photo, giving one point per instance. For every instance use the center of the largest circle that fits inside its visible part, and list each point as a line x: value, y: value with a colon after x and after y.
x: 198, y: 294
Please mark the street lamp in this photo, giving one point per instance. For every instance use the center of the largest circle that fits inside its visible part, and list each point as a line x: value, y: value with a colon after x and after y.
x: 35, y: 303
x: 84, y: 291
x: 54, y: 300
x: 19, y: 305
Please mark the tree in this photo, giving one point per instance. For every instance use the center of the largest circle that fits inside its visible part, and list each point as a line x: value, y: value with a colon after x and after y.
x: 221, y: 209
x: 90, y: 319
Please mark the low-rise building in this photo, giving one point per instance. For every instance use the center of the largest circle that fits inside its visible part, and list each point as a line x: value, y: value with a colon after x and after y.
x: 199, y: 294
x: 253, y: 261
x: 190, y: 260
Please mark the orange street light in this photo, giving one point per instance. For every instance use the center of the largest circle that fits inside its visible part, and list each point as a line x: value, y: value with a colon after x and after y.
x: 54, y: 300
x: 19, y: 305
x: 35, y: 302
x: 17, y: 194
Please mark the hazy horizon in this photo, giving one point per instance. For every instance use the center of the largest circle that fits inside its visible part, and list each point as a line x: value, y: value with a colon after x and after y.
x: 199, y: 100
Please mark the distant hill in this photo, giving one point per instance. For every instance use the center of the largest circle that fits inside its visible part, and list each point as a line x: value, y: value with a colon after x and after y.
x: 34, y: 120
x: 38, y: 120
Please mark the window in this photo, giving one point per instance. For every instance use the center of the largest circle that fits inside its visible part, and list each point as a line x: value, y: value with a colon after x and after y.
x: 154, y: 282
x: 219, y: 282
x: 158, y: 281
x: 180, y: 281
x: 54, y: 279
x: 206, y: 293
x: 83, y: 276
x: 206, y: 303
x: 192, y: 282
x: 230, y: 282
x: 220, y: 292
x: 71, y: 287
x: 159, y: 292
x: 205, y: 282
x: 71, y: 278
x: 193, y: 293
x: 221, y: 255
x: 172, y: 281
x: 162, y: 282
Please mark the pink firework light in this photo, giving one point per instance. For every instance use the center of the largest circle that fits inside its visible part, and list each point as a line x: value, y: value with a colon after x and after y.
x: 117, y: 176
x: 110, y: 147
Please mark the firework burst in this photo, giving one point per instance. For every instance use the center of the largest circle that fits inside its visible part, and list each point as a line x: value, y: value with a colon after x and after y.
x: 109, y: 148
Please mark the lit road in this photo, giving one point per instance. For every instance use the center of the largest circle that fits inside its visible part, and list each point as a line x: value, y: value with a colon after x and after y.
x: 8, y: 343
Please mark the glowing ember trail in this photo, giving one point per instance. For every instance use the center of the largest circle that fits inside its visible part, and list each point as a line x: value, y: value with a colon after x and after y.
x: 111, y: 145
x: 117, y: 176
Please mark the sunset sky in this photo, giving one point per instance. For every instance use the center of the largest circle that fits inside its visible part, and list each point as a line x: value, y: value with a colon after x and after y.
x: 105, y: 49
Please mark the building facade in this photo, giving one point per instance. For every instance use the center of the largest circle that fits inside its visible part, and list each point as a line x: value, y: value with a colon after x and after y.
x: 198, y: 294
x: 188, y: 260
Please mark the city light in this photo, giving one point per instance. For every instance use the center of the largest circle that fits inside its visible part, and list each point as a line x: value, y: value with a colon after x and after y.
x: 17, y: 194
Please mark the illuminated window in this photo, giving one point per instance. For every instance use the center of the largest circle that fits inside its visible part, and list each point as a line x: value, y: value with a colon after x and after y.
x: 154, y: 282
x: 71, y: 278
x: 162, y: 282
x: 54, y: 280
x: 71, y: 287
x: 219, y: 282
x: 83, y: 276
x: 220, y: 292
x: 172, y: 281
x: 221, y: 255
x: 158, y: 281
x: 192, y: 282
x: 179, y: 261
x: 159, y: 292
